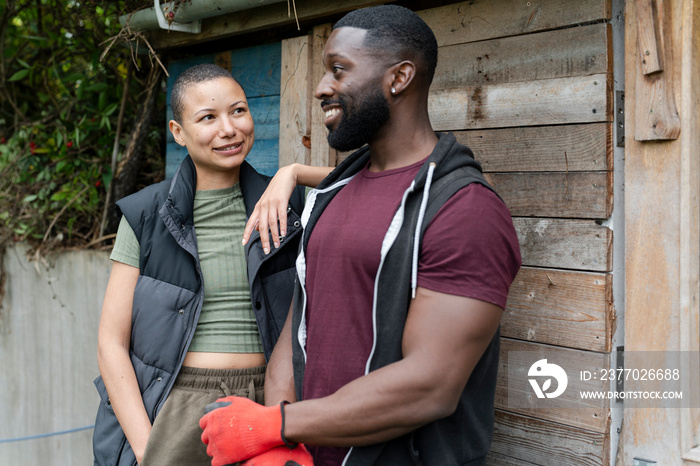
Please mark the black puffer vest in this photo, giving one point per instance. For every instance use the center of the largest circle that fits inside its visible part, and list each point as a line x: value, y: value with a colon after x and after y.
x: 169, y: 293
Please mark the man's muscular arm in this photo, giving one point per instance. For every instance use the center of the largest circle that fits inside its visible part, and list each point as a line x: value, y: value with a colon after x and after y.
x: 444, y: 338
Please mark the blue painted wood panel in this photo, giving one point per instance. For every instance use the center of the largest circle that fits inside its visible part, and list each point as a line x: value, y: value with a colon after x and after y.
x: 258, y: 70
x: 266, y: 116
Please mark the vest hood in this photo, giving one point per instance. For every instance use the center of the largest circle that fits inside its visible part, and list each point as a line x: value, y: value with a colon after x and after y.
x: 448, y: 155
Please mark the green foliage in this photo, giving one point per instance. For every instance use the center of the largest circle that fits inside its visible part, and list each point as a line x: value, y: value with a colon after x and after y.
x: 59, y: 108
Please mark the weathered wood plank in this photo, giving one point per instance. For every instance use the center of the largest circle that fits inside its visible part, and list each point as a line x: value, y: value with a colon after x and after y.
x: 256, y: 19
x: 566, y: 148
x: 648, y: 50
x: 321, y: 153
x: 547, y: 443
x: 565, y: 244
x: 265, y: 156
x: 266, y: 115
x: 662, y: 238
x: 561, y: 53
x: 478, y: 20
x: 223, y: 59
x: 582, y: 99
x: 294, y: 101
x: 554, y: 194
x: 175, y: 154
x: 567, y: 195
x: 656, y: 114
x: 257, y: 69
x: 514, y: 392
x: 496, y: 459
x: 571, y: 309
x: 340, y: 156
x: 452, y: 24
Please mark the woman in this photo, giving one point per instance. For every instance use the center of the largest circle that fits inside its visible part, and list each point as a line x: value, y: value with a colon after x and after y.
x: 190, y: 314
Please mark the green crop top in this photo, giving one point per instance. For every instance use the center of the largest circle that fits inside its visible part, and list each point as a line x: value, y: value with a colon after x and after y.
x: 227, y: 322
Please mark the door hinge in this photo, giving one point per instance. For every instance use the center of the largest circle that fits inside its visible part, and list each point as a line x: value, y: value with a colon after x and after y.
x: 620, y: 118
x: 619, y: 371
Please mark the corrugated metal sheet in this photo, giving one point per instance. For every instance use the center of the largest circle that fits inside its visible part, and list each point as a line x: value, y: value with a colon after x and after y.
x: 48, y: 343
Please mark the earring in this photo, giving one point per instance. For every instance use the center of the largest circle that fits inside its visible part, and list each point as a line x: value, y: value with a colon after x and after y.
x: 393, y: 90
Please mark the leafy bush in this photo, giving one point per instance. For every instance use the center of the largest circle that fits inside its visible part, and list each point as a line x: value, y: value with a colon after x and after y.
x: 59, y: 112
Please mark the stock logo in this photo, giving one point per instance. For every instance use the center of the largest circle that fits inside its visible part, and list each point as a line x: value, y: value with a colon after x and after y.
x: 542, y: 370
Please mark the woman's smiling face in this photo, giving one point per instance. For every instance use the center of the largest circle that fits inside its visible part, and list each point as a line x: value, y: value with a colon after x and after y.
x: 217, y: 130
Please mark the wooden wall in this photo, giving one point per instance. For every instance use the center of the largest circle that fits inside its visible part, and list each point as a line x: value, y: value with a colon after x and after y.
x: 529, y: 87
x: 662, y: 222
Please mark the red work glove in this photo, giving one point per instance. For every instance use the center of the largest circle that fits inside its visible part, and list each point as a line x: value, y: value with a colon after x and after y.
x: 240, y: 430
x: 282, y: 456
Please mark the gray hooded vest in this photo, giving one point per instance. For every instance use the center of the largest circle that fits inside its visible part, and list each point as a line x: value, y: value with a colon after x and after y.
x: 465, y: 436
x: 169, y: 293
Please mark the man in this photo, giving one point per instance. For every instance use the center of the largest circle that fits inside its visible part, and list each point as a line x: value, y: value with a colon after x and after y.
x: 392, y: 344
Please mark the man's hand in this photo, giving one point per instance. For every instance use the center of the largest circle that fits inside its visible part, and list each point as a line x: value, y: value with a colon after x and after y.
x: 240, y: 430
x: 282, y: 456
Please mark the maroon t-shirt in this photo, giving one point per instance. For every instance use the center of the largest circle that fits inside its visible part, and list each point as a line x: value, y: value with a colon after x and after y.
x: 469, y: 249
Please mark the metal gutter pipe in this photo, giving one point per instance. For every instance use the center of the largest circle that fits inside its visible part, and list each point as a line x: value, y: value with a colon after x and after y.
x: 189, y: 14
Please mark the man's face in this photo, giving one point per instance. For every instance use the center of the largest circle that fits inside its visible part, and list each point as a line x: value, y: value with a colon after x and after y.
x: 351, y: 90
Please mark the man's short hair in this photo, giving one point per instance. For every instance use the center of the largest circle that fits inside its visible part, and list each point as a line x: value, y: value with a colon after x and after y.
x: 193, y: 75
x: 397, y: 30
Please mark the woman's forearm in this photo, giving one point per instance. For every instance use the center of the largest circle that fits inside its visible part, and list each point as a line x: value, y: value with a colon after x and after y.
x: 307, y: 175
x: 113, y: 340
x: 124, y: 395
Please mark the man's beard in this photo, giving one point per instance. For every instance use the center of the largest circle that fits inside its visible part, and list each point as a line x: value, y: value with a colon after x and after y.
x: 357, y: 127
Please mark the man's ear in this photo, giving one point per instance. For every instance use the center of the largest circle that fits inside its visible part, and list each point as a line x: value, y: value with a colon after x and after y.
x: 176, y: 129
x: 402, y: 75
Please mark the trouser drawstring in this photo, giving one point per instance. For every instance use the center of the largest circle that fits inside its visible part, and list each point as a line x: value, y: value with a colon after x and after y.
x: 225, y: 389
